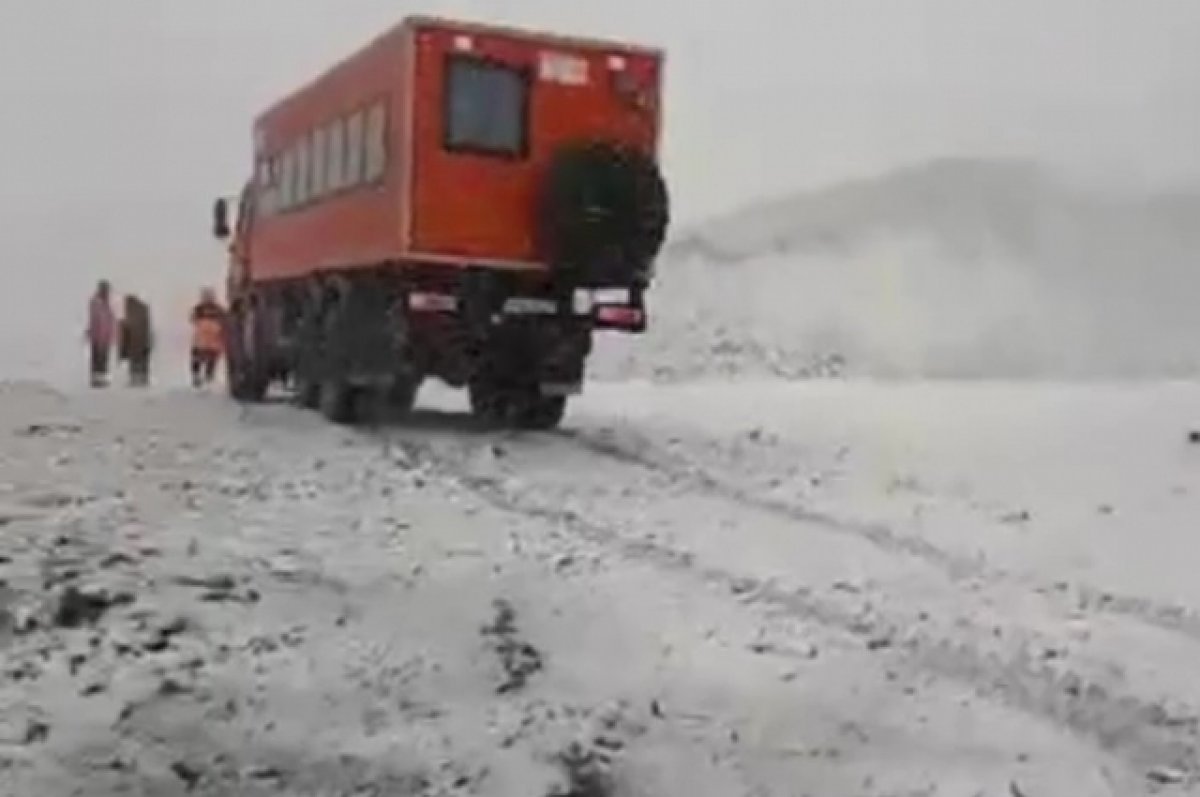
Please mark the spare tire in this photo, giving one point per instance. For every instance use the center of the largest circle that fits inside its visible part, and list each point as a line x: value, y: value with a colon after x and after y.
x: 603, y: 214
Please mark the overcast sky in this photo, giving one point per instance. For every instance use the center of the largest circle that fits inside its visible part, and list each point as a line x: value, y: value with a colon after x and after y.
x: 122, y: 118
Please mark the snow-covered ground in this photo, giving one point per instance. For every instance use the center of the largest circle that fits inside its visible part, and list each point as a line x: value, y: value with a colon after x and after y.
x: 840, y: 588
x: 716, y: 580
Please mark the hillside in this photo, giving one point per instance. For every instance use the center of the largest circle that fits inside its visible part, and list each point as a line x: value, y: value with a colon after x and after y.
x: 953, y: 268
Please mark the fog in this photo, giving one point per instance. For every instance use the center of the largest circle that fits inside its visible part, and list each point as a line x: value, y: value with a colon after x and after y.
x: 124, y: 118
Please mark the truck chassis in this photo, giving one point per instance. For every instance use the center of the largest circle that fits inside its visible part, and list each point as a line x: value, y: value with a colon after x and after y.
x: 351, y: 344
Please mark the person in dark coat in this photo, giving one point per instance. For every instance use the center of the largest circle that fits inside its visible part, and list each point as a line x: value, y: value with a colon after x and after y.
x: 136, y: 340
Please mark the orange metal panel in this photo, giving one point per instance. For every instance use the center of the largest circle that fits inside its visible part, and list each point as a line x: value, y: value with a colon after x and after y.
x: 358, y: 226
x: 481, y: 207
x: 442, y: 207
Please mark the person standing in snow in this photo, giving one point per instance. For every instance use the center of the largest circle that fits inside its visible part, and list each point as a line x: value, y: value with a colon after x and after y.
x: 101, y: 330
x: 136, y: 340
x: 208, y: 337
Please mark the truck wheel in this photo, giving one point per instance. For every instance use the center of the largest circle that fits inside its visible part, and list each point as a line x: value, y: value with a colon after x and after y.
x: 518, y: 409
x: 402, y: 395
x: 306, y: 372
x: 247, y: 388
x: 536, y: 412
x: 246, y: 379
x: 339, y: 402
x: 307, y: 393
x: 489, y: 404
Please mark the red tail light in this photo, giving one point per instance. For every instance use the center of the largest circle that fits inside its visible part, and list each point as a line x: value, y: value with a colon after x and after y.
x: 617, y: 316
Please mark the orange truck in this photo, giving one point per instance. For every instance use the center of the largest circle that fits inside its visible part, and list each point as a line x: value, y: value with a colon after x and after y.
x: 455, y: 200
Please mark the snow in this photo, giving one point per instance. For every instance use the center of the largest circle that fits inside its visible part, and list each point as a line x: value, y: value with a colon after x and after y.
x: 763, y: 588
x: 957, y: 268
x: 896, y: 498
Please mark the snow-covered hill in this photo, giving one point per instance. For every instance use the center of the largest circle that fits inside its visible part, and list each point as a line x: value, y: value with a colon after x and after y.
x: 952, y: 268
x: 957, y: 267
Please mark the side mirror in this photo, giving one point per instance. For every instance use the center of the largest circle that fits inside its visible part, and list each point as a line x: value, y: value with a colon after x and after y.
x: 221, y: 219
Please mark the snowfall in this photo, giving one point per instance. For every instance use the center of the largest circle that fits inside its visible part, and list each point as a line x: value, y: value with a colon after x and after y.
x: 898, y: 497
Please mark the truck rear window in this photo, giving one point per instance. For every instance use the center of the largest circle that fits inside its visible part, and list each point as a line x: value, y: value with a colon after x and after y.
x: 487, y: 107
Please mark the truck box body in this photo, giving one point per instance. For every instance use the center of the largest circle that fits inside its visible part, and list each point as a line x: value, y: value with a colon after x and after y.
x: 428, y: 145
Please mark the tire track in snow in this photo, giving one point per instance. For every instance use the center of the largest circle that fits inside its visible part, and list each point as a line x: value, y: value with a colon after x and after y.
x: 877, y: 534
x: 1165, y: 617
x: 1139, y: 731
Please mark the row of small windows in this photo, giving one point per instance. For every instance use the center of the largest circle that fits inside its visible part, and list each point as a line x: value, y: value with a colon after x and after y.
x: 347, y: 153
x: 486, y: 113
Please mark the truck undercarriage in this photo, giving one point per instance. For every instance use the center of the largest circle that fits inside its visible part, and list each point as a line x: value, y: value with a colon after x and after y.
x: 353, y: 343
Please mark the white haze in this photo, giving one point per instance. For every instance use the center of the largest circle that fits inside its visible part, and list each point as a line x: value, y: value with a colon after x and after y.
x: 123, y: 119
x: 957, y: 268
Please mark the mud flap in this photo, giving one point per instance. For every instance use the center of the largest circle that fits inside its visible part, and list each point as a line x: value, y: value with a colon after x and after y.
x: 560, y: 389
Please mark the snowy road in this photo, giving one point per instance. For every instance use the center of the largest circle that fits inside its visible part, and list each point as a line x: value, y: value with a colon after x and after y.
x: 825, y: 589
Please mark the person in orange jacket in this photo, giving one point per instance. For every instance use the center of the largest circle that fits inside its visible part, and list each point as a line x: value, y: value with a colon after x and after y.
x: 208, y: 337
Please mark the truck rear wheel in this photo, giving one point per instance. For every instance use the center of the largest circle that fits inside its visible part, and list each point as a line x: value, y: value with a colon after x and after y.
x: 355, y: 349
x: 306, y: 368
x: 498, y: 407
x: 307, y: 393
x: 540, y: 413
x: 487, y: 404
x: 339, y: 402
x: 401, y: 395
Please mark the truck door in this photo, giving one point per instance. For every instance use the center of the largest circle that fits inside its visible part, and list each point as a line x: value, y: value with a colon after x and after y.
x: 473, y: 181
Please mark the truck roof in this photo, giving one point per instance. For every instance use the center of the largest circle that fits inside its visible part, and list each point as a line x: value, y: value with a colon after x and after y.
x: 418, y: 22
x: 578, y: 42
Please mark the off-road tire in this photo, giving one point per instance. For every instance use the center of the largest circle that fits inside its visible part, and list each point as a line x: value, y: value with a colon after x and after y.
x: 307, y: 393
x: 488, y: 404
x: 245, y: 375
x: 526, y: 408
x: 307, y: 367
x: 603, y: 213
x: 401, y: 396
x: 535, y: 412
x: 339, y: 403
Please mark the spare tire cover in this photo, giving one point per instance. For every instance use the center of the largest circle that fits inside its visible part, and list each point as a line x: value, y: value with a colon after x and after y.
x: 603, y: 213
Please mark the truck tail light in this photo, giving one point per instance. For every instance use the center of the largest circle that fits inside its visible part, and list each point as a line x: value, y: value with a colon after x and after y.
x: 621, y: 317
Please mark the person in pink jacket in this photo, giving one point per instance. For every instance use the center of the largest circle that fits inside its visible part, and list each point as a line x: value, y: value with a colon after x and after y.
x: 101, y: 332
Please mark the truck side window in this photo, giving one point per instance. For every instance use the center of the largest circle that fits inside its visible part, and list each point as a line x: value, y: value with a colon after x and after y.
x: 375, y: 159
x: 302, y: 184
x: 335, y: 166
x: 318, y: 164
x: 355, y: 131
x: 287, y: 180
x: 486, y: 107
x: 264, y: 188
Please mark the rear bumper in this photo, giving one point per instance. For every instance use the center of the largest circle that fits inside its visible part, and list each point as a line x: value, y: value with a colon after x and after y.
x: 620, y: 309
